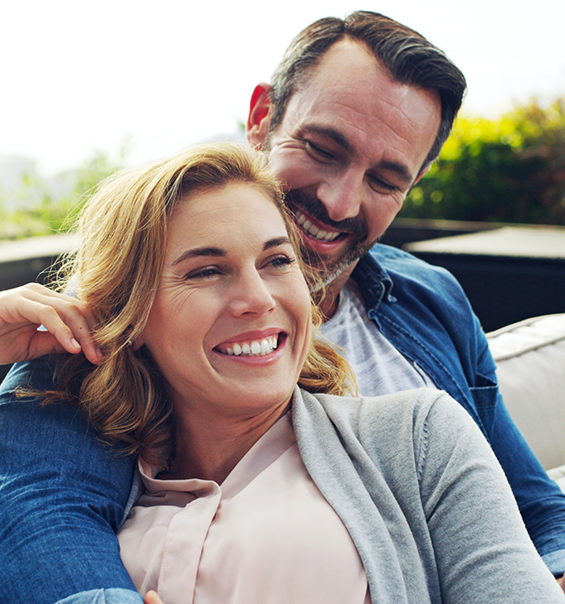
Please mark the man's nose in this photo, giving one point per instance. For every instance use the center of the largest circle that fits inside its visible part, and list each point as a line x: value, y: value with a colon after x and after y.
x: 342, y: 194
x: 250, y: 294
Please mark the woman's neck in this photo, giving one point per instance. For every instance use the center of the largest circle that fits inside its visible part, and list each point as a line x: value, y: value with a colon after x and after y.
x: 209, y: 447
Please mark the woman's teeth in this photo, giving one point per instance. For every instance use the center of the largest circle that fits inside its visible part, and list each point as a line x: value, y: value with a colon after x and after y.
x: 255, y: 348
x: 313, y: 230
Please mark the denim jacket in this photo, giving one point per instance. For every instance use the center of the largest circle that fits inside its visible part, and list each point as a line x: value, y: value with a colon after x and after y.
x: 423, y: 312
x: 63, y: 493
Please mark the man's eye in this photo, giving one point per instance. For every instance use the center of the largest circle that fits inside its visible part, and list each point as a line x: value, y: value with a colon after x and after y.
x: 382, y: 186
x: 318, y: 152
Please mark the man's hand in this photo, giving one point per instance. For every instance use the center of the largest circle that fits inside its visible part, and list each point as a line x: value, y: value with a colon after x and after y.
x: 67, y: 322
x: 152, y: 598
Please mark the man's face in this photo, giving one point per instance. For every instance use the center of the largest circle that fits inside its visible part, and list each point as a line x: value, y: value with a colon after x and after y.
x: 350, y: 146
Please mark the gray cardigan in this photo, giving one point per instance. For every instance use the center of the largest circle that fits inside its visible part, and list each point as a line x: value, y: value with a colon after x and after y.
x: 423, y: 498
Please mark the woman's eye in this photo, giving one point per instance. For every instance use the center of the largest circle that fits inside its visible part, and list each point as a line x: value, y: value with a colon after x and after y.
x: 202, y: 273
x: 281, y: 261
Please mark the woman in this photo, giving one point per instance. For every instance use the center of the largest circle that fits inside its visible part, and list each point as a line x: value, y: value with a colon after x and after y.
x: 256, y: 489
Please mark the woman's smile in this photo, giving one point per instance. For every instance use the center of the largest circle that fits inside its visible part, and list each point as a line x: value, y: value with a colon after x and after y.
x: 253, y: 345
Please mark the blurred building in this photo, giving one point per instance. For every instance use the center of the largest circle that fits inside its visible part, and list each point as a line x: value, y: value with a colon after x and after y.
x: 13, y: 169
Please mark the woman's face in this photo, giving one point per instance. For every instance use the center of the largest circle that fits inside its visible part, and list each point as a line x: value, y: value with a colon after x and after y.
x: 230, y: 325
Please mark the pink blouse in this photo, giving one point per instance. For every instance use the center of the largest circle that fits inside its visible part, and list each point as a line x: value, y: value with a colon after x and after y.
x: 265, y: 536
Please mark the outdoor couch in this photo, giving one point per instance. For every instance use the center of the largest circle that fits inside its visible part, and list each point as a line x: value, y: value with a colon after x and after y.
x: 530, y: 359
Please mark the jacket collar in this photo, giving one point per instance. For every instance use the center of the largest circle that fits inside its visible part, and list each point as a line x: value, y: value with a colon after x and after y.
x: 373, y: 281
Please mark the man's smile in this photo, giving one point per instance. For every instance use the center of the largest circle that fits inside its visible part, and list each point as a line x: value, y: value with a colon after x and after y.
x: 309, y: 226
x: 320, y: 234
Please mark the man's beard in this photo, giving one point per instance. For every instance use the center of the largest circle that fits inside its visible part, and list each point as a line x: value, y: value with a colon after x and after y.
x: 325, y: 271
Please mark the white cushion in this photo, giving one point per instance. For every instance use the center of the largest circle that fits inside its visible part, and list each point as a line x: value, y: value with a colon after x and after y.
x: 558, y: 474
x: 530, y: 359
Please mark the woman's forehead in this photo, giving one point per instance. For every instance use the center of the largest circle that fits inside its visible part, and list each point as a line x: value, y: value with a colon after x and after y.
x: 235, y: 209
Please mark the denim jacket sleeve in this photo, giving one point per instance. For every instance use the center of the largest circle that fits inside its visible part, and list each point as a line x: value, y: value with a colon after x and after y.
x: 103, y: 596
x: 62, y: 497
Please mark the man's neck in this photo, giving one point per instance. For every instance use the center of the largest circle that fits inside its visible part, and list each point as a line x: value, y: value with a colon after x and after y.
x: 328, y: 305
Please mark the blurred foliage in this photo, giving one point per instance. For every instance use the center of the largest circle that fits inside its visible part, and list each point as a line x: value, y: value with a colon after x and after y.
x: 40, y: 207
x: 506, y: 170
x: 511, y: 169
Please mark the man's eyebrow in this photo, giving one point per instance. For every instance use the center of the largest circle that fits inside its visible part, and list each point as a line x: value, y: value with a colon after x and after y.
x: 200, y: 251
x: 216, y: 251
x: 335, y: 135
x: 398, y: 168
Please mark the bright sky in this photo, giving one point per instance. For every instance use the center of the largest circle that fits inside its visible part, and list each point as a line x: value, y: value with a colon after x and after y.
x: 82, y: 76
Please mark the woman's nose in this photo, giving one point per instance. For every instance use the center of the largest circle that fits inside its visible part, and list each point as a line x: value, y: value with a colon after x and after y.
x: 251, y: 295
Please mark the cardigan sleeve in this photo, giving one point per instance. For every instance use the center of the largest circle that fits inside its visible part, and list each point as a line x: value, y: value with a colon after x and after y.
x: 430, y: 321
x: 482, y: 548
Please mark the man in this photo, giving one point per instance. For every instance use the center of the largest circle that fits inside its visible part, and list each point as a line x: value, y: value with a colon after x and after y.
x: 351, y: 121
x: 356, y: 113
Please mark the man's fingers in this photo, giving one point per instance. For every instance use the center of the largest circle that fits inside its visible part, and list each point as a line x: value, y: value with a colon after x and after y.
x: 78, y: 322
x: 70, y: 326
x: 152, y: 598
x: 66, y: 318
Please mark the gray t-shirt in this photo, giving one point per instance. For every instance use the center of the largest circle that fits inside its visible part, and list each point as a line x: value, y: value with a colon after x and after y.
x: 379, y: 367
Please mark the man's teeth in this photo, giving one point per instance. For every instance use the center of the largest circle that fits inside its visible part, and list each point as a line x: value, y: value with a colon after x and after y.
x: 256, y: 348
x: 313, y: 230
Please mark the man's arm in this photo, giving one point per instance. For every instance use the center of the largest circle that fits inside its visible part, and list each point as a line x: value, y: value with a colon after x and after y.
x: 432, y: 323
x: 540, y: 500
x: 62, y: 497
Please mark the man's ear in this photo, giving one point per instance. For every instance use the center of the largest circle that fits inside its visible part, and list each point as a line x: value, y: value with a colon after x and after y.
x: 421, y: 174
x: 259, y: 119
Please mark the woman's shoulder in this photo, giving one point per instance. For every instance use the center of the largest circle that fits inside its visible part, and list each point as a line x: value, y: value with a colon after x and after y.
x: 396, y: 405
x: 402, y: 419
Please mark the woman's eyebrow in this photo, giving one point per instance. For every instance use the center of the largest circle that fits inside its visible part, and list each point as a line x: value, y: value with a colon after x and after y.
x: 216, y: 251
x: 200, y: 251
x: 275, y: 242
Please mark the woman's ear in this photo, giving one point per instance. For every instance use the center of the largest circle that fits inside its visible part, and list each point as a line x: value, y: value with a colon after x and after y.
x: 137, y: 343
x: 259, y: 120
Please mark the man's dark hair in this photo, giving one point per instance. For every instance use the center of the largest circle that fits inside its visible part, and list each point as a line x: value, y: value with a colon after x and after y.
x: 407, y: 55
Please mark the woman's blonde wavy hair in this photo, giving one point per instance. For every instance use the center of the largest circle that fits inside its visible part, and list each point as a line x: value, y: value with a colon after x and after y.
x: 116, y: 272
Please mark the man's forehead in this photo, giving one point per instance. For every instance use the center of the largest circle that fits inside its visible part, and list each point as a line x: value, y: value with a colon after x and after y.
x: 350, y: 83
x: 347, y: 57
x: 352, y: 99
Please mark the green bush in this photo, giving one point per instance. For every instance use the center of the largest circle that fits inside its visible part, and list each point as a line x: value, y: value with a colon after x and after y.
x: 506, y: 170
x: 37, y: 211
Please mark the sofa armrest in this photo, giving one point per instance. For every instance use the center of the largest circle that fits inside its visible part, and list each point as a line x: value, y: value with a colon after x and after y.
x: 530, y: 359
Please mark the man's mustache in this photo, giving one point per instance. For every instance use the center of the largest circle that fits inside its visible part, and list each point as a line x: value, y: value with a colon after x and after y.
x: 304, y: 200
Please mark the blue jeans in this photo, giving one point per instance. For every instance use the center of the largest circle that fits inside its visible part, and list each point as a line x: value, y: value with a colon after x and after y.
x: 62, y: 498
